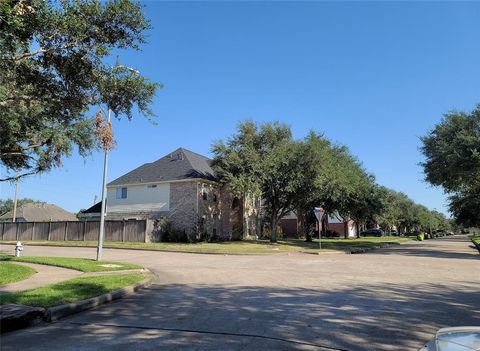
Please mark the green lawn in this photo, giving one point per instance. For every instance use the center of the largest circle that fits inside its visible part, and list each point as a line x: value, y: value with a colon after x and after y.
x: 11, y: 273
x: 241, y: 247
x: 71, y: 290
x: 476, y: 239
x: 79, y: 264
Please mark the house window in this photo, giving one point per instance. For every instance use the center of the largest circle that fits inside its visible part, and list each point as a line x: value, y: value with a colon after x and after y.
x: 151, y: 186
x: 121, y: 193
x: 205, y: 192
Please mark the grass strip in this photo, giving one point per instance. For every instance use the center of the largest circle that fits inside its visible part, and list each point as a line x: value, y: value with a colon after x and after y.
x: 79, y: 264
x: 241, y: 247
x: 476, y: 241
x: 71, y: 290
x: 11, y: 273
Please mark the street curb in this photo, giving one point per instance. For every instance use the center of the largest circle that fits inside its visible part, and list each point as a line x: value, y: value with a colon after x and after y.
x: 366, y: 249
x: 332, y: 252
x: 344, y: 250
x: 171, y: 251
x: 61, y: 311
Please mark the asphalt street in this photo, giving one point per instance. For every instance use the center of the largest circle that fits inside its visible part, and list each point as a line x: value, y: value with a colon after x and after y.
x: 389, y: 299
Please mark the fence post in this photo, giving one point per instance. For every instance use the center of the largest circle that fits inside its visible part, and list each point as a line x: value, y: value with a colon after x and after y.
x: 66, y: 231
x: 145, y: 230
x: 33, y: 231
x: 123, y: 231
x: 3, y: 227
x: 84, y: 229
x: 49, y: 230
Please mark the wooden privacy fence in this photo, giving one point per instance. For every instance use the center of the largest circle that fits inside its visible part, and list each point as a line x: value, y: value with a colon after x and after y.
x: 127, y: 231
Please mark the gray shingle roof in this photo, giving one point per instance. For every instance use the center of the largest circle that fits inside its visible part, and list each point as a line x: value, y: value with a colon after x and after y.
x: 178, y: 165
x: 40, y: 213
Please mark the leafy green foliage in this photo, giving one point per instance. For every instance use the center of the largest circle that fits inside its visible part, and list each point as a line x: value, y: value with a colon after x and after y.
x: 464, y: 206
x: 452, y: 161
x: 332, y: 178
x: 261, y: 160
x: 53, y: 71
x: 299, y: 175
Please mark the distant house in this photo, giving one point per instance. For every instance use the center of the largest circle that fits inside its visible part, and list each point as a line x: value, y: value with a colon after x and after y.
x: 182, y: 187
x: 39, y: 213
x: 332, y: 222
x: 335, y: 223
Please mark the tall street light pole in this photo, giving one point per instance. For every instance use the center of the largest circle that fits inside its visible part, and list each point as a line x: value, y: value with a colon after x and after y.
x: 104, y: 198
x: 104, y: 181
x: 15, y: 200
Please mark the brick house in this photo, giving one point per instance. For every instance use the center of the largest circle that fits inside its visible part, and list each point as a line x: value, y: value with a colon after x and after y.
x: 333, y: 222
x: 183, y: 187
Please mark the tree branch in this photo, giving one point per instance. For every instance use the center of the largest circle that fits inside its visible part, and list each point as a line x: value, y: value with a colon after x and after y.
x: 29, y: 54
x: 43, y: 50
x: 20, y: 151
x: 9, y: 179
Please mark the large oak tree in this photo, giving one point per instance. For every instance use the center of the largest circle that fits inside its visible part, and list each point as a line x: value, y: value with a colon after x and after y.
x: 452, y: 161
x: 53, y: 75
x: 261, y: 160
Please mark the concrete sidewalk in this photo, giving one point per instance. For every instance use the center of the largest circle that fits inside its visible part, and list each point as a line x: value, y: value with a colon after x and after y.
x: 45, y: 275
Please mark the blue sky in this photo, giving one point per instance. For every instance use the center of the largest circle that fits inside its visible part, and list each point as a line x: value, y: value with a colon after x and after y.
x: 371, y: 75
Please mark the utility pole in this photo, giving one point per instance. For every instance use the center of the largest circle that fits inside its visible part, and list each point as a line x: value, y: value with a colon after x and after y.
x: 16, y: 199
x: 104, y: 198
x: 105, y: 167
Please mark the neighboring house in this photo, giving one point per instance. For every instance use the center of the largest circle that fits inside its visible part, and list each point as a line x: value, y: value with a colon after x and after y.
x: 336, y: 223
x: 289, y: 225
x: 183, y: 187
x: 39, y: 213
x: 332, y: 222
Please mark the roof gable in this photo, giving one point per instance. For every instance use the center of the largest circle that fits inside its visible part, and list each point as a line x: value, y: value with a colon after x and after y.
x: 41, y: 213
x: 180, y: 164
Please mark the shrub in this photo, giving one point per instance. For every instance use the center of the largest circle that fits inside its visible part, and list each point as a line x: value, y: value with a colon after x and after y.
x: 168, y: 233
x: 267, y: 233
x: 420, y: 237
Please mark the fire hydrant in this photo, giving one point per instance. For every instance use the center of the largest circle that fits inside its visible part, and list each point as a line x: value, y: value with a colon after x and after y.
x: 18, y: 249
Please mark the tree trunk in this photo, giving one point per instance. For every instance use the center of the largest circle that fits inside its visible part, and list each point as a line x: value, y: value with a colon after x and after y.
x: 357, y: 226
x: 300, y: 224
x: 324, y: 224
x: 308, y: 233
x: 345, y: 229
x: 273, y: 235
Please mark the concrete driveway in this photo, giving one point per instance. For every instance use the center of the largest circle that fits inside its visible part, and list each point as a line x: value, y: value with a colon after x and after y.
x: 391, y: 299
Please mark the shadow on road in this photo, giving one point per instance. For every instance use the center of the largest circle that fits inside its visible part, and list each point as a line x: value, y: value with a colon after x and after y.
x: 373, y: 317
x: 450, y: 247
